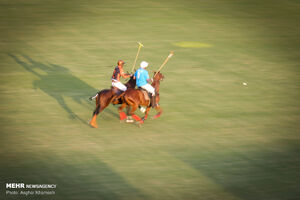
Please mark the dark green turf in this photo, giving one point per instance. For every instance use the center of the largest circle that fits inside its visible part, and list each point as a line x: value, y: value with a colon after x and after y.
x: 216, y: 139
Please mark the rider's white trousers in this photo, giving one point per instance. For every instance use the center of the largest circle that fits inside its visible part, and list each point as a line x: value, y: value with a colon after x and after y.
x: 119, y: 85
x: 149, y: 88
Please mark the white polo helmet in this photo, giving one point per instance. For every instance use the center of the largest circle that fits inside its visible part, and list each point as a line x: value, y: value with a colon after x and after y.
x: 144, y: 64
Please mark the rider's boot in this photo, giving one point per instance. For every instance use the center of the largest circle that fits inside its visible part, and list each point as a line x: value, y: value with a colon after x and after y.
x: 116, y: 97
x: 153, y: 103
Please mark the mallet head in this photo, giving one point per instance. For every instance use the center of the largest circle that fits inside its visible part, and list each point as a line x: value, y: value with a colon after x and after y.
x: 171, y: 54
x: 141, y: 44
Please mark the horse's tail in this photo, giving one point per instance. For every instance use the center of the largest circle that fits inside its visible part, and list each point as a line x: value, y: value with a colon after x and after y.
x: 93, y: 97
x: 97, y: 98
x: 97, y: 110
x: 98, y: 103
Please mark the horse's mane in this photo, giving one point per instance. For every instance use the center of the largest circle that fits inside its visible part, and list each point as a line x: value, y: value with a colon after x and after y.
x: 130, y: 83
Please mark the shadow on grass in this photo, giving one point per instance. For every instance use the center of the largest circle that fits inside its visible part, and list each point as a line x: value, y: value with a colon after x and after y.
x: 257, y: 174
x: 58, y: 82
x: 76, y: 176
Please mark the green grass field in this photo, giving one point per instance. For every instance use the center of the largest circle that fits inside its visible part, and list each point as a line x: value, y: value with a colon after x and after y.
x: 217, y: 139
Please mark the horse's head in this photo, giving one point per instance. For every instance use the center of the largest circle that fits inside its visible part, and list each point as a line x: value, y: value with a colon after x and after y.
x: 131, y: 83
x: 159, y: 76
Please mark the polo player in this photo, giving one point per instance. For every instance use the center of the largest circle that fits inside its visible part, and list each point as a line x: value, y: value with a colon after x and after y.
x: 143, y: 79
x: 117, y: 74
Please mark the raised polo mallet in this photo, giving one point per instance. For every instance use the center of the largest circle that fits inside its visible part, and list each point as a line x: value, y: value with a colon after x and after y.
x: 140, y: 45
x: 167, y: 59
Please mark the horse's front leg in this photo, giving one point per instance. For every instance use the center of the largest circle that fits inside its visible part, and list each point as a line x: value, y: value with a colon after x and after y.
x: 135, y: 117
x: 159, y: 112
x: 121, y: 112
x: 146, y: 114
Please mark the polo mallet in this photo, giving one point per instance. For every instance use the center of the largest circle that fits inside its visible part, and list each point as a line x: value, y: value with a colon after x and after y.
x: 140, y: 46
x: 164, y: 63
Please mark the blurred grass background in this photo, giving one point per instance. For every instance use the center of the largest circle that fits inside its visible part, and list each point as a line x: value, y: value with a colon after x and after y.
x: 216, y: 139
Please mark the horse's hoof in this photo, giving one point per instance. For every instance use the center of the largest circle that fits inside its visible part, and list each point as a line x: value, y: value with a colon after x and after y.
x: 139, y: 124
x: 123, y: 120
x: 129, y: 119
x: 94, y: 125
x: 156, y: 116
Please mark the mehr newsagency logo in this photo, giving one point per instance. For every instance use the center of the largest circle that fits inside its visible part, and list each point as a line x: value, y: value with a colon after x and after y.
x: 30, y: 189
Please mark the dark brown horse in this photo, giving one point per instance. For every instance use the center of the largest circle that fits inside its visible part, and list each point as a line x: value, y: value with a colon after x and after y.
x: 105, y: 97
x: 135, y: 98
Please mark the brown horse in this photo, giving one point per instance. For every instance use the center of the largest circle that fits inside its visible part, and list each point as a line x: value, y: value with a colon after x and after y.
x: 107, y: 96
x: 135, y: 98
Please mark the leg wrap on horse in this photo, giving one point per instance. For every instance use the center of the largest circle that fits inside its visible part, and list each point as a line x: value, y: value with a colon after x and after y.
x: 157, y: 115
x: 93, y: 122
x: 122, y: 116
x: 137, y: 118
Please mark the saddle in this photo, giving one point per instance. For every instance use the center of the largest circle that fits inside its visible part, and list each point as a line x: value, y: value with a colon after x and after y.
x: 116, y: 90
x: 146, y: 94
